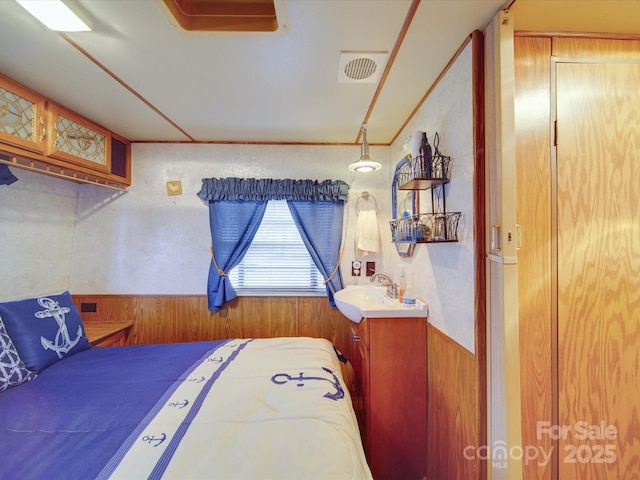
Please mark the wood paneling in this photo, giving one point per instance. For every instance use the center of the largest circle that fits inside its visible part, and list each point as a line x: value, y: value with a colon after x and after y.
x: 112, y: 308
x: 596, y: 48
x: 269, y: 317
x: 533, y: 178
x: 599, y: 268
x: 480, y: 251
x: 452, y: 394
x: 579, y: 344
x: 185, y: 318
x: 330, y: 326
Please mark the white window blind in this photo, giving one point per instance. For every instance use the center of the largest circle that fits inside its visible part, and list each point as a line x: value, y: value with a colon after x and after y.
x: 277, y: 261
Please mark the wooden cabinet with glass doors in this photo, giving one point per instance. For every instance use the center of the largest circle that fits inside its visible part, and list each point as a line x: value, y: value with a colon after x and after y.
x: 38, y: 134
x: 77, y: 140
x: 22, y: 116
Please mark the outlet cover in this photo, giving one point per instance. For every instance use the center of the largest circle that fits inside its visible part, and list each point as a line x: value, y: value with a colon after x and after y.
x: 356, y: 268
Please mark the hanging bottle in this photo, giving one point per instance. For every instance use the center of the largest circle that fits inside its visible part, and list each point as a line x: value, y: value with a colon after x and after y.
x: 427, y: 156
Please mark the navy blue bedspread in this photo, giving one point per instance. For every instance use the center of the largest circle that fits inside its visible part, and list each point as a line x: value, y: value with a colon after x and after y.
x: 69, y: 422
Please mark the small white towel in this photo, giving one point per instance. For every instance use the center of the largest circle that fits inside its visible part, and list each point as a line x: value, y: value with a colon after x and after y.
x: 367, y: 233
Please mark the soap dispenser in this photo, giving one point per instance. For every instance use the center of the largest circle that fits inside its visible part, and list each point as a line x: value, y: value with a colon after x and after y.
x: 402, y: 285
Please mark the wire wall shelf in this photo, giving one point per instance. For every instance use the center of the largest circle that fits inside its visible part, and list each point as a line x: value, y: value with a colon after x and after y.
x: 429, y: 173
x: 421, y: 174
x: 426, y: 228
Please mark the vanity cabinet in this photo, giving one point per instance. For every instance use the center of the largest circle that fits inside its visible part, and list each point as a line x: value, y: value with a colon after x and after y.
x: 389, y: 393
x: 39, y: 135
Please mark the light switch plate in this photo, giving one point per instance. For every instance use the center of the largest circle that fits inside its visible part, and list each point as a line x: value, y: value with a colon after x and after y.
x: 371, y: 268
x: 174, y: 187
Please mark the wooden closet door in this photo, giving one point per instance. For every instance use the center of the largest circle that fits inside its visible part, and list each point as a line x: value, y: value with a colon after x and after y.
x: 598, y: 270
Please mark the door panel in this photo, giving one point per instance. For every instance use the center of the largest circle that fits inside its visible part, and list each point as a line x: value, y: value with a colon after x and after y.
x: 598, y: 271
x: 533, y: 199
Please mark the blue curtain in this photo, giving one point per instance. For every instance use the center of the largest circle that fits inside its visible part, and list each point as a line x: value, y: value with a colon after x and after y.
x: 236, y: 208
x: 233, y: 224
x: 6, y: 177
x: 320, y: 226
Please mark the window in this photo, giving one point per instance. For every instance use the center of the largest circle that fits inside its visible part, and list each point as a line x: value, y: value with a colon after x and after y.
x: 277, y: 261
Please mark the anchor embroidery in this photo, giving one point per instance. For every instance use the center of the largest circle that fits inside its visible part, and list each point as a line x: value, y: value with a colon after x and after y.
x: 62, y: 343
x: 150, y: 439
x: 179, y: 405
x: 338, y: 394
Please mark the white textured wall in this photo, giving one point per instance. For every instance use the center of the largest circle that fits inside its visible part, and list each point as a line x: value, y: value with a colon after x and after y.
x: 145, y: 242
x: 37, y: 218
x: 444, y: 273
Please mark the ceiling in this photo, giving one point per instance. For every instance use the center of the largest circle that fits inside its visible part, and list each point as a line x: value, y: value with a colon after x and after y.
x: 142, y: 76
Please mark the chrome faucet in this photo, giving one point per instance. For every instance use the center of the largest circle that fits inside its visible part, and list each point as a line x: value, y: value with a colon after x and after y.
x: 384, y: 280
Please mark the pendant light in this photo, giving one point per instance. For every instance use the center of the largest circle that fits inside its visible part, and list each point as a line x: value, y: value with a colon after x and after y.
x: 364, y: 163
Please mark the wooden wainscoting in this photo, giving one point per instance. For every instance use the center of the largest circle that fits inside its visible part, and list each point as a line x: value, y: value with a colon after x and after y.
x: 452, y: 410
x: 185, y: 318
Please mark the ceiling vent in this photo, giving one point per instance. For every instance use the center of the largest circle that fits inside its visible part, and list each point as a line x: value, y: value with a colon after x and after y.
x: 361, y: 67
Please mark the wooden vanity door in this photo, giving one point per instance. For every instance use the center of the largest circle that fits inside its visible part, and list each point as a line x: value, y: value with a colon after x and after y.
x: 397, y: 391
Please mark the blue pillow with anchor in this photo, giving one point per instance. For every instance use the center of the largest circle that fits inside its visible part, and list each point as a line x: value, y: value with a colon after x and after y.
x: 44, y: 330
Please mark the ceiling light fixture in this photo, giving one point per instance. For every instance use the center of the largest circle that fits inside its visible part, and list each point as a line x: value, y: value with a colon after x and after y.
x: 364, y: 163
x: 56, y: 15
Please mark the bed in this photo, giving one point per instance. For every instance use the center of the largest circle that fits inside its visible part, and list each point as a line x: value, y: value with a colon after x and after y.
x: 254, y: 409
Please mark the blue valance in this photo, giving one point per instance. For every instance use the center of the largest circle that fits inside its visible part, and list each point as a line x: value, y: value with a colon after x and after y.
x: 259, y: 189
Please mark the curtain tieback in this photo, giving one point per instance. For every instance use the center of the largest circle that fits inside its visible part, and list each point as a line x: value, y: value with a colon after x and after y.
x: 221, y: 272
x: 335, y: 269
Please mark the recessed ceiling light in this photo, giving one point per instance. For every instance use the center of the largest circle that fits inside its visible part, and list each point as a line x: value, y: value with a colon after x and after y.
x: 56, y: 15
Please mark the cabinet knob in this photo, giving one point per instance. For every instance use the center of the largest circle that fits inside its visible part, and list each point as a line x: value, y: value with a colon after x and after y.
x: 355, y: 338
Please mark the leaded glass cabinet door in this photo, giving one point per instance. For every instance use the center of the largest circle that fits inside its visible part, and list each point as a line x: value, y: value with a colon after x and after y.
x: 21, y: 116
x: 77, y: 140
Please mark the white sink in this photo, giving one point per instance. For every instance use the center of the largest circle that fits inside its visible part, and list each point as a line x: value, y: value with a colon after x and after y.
x: 370, y: 301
